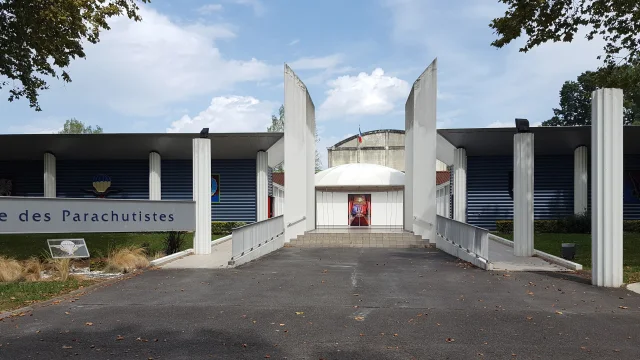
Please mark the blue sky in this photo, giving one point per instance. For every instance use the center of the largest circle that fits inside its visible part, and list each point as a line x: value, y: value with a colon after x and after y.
x: 219, y: 64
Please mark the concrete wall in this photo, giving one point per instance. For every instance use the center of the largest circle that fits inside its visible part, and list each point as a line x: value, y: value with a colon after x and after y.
x: 300, y: 145
x: 380, y: 147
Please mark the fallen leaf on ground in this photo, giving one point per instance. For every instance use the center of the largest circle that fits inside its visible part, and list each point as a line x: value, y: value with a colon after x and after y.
x: 450, y: 340
x: 506, y: 275
x: 67, y: 347
x: 267, y: 356
x: 299, y: 312
x: 141, y: 339
x: 361, y: 334
x: 67, y: 313
x: 89, y: 324
x: 395, y: 334
x: 559, y: 312
x: 244, y: 345
x: 281, y: 324
x: 359, y: 318
x: 529, y: 318
x: 119, y: 337
x: 623, y: 307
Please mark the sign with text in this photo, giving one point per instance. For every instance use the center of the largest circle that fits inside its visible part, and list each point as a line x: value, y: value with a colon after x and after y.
x: 68, y: 248
x: 58, y: 215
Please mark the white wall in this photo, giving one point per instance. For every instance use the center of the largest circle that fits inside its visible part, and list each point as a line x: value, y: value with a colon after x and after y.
x: 420, y: 155
x: 332, y: 208
x: 443, y: 201
x: 299, y: 157
x: 278, y: 200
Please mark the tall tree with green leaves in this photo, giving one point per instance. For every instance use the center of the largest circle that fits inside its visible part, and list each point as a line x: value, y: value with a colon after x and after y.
x: 575, y: 96
x: 74, y: 126
x: 616, y: 21
x: 277, y: 125
x: 39, y: 38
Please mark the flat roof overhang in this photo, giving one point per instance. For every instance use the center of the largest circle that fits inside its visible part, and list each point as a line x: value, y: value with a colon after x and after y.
x: 132, y: 146
x: 548, y: 140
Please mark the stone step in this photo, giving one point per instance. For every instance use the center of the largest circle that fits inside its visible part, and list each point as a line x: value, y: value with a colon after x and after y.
x: 304, y: 242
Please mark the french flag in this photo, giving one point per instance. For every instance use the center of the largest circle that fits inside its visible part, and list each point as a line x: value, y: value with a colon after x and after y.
x: 359, y: 134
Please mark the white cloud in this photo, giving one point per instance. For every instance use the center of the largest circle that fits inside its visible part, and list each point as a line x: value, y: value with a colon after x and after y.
x: 489, y: 85
x: 256, y: 5
x: 229, y: 114
x: 364, y: 94
x: 143, y: 68
x: 210, y: 8
x: 294, y: 41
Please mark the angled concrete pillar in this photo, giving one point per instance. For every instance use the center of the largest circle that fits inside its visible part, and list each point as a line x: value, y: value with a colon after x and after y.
x: 202, y: 195
x: 49, y: 175
x: 460, y: 184
x: 299, y: 157
x: 606, y: 187
x: 262, y: 185
x: 155, y: 184
x: 580, y: 179
x: 420, y: 155
x: 523, y: 194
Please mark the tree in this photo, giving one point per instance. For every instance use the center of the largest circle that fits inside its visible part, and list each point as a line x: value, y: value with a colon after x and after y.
x: 617, y: 21
x: 277, y: 125
x: 575, y: 96
x: 39, y: 38
x: 73, y: 126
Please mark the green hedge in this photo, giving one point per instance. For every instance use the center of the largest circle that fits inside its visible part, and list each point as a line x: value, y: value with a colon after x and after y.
x: 577, y: 224
x: 225, y: 227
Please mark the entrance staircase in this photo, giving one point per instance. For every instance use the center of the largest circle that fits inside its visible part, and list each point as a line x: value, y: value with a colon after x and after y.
x: 318, y: 239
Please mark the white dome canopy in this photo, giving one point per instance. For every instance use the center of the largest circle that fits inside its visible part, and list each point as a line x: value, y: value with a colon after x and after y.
x: 360, y: 175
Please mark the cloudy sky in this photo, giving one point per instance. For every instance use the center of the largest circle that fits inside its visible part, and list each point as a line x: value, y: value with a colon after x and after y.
x: 219, y: 64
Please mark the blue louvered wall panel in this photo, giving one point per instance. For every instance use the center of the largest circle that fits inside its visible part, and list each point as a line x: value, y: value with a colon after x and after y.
x: 237, y: 187
x: 27, y: 177
x: 631, y: 209
x: 488, y: 197
x: 131, y: 177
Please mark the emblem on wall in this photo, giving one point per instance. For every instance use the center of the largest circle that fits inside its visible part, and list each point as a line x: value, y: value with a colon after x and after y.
x: 102, y: 186
x: 6, y: 187
x: 359, y: 210
x: 215, y: 188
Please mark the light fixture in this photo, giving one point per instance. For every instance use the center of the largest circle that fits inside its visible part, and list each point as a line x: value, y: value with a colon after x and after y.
x: 204, y: 133
x: 522, y: 125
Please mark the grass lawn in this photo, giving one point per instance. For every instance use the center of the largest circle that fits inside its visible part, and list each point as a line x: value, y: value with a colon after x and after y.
x: 20, y: 294
x: 552, y: 244
x: 23, y: 246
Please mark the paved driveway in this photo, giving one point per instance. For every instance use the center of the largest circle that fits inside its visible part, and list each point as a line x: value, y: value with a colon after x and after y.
x: 335, y: 304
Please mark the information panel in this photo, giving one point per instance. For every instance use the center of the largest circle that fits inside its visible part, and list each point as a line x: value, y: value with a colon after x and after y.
x: 58, y: 215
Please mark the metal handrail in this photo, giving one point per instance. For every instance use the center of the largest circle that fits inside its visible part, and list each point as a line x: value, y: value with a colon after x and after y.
x: 297, y: 221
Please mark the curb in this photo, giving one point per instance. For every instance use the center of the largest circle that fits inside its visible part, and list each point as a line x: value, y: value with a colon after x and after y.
x: 74, y: 293
x: 543, y: 255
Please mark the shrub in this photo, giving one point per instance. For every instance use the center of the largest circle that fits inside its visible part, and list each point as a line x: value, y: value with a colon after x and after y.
x: 10, y: 270
x: 577, y: 224
x: 225, y: 227
x: 504, y: 226
x: 631, y: 226
x: 147, y: 247
x: 547, y: 226
x: 61, y: 268
x: 32, y: 269
x: 173, y: 242
x: 126, y: 259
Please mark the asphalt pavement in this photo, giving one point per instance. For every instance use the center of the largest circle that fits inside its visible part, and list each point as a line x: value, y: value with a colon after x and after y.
x: 335, y: 303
